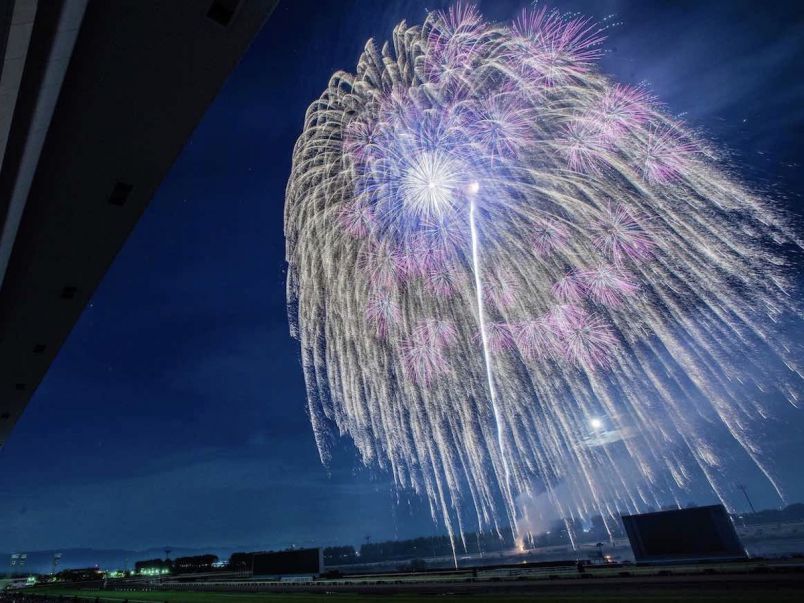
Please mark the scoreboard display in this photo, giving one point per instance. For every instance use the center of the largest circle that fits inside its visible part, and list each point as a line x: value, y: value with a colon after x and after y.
x: 285, y: 563
x: 698, y: 533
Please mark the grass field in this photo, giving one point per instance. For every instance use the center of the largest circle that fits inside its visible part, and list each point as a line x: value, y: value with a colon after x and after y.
x: 631, y: 595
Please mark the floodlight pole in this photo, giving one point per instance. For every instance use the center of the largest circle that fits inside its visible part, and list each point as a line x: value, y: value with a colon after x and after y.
x: 744, y: 489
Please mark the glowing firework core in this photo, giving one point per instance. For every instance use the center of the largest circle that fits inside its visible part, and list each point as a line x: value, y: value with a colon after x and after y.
x: 430, y: 185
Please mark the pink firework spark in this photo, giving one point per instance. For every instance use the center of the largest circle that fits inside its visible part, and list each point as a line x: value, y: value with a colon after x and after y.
x: 620, y: 234
x: 382, y: 312
x: 436, y: 332
x: 570, y: 288
x: 536, y: 339
x: 498, y: 336
x: 666, y: 156
x: 621, y: 109
x: 360, y: 140
x: 442, y: 282
x: 501, y: 126
x: 460, y: 18
x: 398, y: 111
x: 356, y: 218
x: 553, y: 47
x: 447, y: 235
x: 500, y: 290
x: 423, y: 255
x: 423, y: 362
x: 548, y: 235
x: 607, y: 285
x: 583, y: 146
x: 586, y: 340
x: 384, y: 264
x: 563, y: 314
x: 453, y: 43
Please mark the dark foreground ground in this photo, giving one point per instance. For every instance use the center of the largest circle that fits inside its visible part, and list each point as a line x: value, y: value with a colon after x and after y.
x: 738, y: 588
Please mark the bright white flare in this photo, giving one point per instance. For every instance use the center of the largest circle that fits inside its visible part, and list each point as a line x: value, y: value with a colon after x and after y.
x: 430, y: 184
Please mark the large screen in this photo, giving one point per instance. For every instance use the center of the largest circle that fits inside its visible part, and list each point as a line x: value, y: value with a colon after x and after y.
x: 297, y: 561
x: 683, y: 534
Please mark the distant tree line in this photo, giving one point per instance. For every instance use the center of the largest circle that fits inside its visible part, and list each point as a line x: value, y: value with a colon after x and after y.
x: 477, y: 542
x: 794, y: 512
x: 241, y: 562
x: 426, y: 546
x: 148, y: 564
x: 244, y: 562
x: 80, y: 575
x: 265, y: 561
x: 196, y: 563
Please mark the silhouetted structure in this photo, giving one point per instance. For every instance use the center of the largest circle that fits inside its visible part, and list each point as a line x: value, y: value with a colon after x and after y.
x: 153, y: 564
x: 279, y: 563
x: 340, y: 555
x: 98, y: 99
x: 80, y: 575
x: 702, y: 533
x: 196, y: 563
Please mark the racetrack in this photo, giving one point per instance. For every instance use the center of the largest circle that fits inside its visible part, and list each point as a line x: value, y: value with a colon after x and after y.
x: 782, y: 588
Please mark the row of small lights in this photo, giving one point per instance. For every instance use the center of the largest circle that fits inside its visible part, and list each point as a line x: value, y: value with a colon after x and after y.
x: 154, y: 571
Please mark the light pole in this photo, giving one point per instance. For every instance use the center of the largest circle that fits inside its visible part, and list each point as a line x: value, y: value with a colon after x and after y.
x: 56, y: 559
x: 744, y: 489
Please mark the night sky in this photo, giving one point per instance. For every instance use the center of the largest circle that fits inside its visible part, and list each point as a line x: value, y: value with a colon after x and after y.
x: 175, y: 412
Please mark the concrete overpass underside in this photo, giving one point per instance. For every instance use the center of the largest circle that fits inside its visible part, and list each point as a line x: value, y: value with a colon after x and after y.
x: 97, y: 99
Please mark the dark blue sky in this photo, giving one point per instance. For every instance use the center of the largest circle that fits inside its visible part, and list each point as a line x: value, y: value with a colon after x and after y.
x: 174, y: 414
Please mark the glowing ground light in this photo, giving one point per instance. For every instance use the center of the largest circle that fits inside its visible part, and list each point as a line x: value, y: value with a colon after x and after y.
x: 491, y: 246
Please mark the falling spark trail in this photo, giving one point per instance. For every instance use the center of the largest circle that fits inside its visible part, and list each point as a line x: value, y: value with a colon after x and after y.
x: 481, y: 319
x: 612, y: 267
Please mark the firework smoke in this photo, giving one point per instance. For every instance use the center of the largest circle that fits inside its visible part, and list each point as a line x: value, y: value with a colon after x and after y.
x: 489, y: 243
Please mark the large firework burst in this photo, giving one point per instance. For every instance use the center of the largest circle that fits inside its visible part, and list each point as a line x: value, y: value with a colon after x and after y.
x: 490, y: 243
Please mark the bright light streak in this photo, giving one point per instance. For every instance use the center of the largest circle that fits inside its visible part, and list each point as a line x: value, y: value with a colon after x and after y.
x: 481, y: 319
